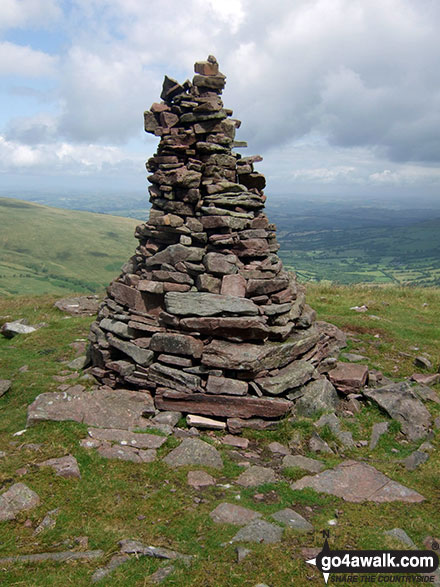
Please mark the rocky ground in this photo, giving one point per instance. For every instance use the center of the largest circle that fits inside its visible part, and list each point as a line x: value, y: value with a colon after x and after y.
x: 125, y: 495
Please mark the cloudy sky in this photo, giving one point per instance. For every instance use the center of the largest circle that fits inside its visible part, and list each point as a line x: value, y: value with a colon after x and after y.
x: 339, y: 96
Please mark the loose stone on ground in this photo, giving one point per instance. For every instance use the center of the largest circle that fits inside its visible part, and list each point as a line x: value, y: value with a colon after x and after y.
x: 63, y: 466
x: 259, y: 531
x: 293, y: 520
x: 16, y: 499
x: 256, y: 475
x: 227, y: 513
x: 358, y: 482
x: 193, y: 451
x: 311, y: 465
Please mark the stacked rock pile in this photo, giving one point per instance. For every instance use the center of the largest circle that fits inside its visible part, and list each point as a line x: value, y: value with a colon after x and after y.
x: 204, y: 317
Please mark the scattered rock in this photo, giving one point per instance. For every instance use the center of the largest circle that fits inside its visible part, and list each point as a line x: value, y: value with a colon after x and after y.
x: 79, y: 306
x: 358, y: 482
x: 353, y: 357
x: 16, y: 499
x: 167, y: 418
x: 227, y: 513
x: 259, y: 531
x: 378, y: 429
x: 161, y: 574
x: 78, y: 363
x: 278, y: 448
x: 48, y: 522
x: 242, y: 553
x: 193, y: 451
x: 349, y: 377
x: 362, y: 308
x: 422, y: 362
x: 333, y: 422
x: 237, y: 441
x: 63, y: 466
x: 401, y: 403
x: 415, y: 459
x: 256, y: 475
x: 198, y: 479
x: 11, y: 329
x: 135, y: 547
x: 317, y: 444
x: 311, y: 465
x: 424, y: 379
x: 126, y: 438
x: 116, y: 561
x: 401, y: 536
x: 59, y: 557
x: 127, y: 453
x: 5, y: 386
x: 102, y: 407
x: 293, y: 520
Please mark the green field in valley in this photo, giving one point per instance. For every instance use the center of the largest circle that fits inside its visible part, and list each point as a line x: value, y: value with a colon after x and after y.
x: 50, y: 250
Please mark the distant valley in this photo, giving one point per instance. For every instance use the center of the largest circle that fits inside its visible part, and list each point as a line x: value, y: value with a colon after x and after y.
x: 44, y: 249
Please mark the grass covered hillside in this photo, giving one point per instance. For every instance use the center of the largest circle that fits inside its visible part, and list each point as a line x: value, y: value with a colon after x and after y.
x: 49, y: 250
x: 153, y: 503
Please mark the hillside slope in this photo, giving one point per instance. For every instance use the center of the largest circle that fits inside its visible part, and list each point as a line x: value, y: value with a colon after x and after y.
x: 50, y: 250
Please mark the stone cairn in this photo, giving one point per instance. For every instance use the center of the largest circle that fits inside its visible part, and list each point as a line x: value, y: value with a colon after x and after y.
x: 204, y: 318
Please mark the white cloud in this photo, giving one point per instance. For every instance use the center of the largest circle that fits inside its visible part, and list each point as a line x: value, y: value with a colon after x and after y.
x: 66, y: 158
x: 25, y: 61
x: 20, y: 13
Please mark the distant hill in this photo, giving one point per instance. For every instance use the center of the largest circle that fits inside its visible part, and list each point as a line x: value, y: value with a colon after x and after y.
x: 50, y: 250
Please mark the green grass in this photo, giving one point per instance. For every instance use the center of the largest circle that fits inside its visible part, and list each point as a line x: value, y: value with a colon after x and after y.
x: 49, y: 250
x: 153, y: 503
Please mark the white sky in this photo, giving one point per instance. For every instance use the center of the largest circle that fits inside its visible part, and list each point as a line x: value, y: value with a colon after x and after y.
x: 339, y: 96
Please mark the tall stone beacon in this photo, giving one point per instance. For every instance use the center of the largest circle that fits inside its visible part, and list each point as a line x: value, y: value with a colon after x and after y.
x: 204, y: 318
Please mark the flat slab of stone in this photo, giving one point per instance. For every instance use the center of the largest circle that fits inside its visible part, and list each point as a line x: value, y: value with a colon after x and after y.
x: 203, y: 422
x: 79, y: 306
x: 16, y: 499
x: 311, y: 465
x: 127, y: 453
x: 259, y: 531
x: 102, y: 408
x: 228, y: 513
x: 193, y: 451
x: 358, y: 482
x: 198, y: 479
x: 5, y: 385
x: 221, y: 405
x: 66, y: 467
x: 293, y: 520
x: 402, y: 404
x: 237, y: 441
x: 256, y: 475
x: 349, y: 377
x: 208, y: 304
x: 126, y: 438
